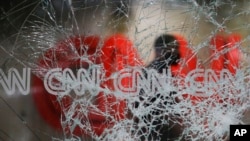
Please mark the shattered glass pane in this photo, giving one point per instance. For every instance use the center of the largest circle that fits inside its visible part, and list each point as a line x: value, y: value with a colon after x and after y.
x: 127, y: 70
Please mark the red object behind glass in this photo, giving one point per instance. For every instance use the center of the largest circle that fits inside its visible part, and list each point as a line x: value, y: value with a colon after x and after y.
x: 116, y: 53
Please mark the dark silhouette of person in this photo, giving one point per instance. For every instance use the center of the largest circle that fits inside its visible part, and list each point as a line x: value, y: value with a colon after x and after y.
x: 167, y: 54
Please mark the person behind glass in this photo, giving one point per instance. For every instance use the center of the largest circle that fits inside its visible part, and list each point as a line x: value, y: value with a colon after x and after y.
x: 171, y: 52
x: 166, y: 53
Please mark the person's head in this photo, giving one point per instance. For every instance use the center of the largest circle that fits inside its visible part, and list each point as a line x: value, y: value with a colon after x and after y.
x: 167, y: 49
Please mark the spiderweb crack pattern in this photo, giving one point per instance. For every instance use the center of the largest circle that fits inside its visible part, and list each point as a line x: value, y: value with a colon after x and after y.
x: 150, y: 115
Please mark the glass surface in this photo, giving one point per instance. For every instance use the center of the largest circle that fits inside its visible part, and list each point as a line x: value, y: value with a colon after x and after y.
x: 123, y: 69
